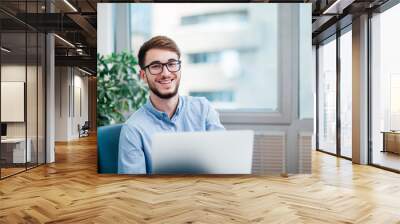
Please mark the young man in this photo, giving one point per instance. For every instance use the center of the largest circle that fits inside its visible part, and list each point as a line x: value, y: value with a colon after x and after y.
x: 165, y: 110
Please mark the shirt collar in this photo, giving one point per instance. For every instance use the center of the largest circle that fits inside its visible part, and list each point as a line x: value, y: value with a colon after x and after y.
x: 162, y: 115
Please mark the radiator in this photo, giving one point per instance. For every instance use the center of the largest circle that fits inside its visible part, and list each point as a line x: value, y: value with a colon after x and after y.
x: 305, y: 146
x: 269, y: 153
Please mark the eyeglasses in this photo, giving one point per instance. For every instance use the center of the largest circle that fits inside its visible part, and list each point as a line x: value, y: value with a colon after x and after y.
x: 157, y: 67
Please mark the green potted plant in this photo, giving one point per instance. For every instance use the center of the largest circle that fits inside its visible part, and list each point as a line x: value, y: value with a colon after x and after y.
x: 119, y: 88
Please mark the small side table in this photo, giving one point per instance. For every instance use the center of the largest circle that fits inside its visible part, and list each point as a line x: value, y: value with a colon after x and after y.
x: 391, y: 141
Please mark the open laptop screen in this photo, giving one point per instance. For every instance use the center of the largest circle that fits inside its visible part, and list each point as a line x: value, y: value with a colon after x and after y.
x: 3, y: 129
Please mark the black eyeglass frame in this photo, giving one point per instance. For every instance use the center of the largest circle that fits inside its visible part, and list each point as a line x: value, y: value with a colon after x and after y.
x: 162, y: 67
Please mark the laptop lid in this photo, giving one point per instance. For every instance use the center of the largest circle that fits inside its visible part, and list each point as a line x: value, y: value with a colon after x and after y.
x: 215, y: 152
x: 3, y: 129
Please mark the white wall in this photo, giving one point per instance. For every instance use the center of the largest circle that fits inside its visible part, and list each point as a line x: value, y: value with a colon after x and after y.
x: 16, y: 73
x: 12, y: 73
x: 80, y: 103
x: 70, y: 83
x: 61, y: 103
x: 33, y: 126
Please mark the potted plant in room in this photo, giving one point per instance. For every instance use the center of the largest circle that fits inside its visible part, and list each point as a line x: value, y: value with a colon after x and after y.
x: 119, y: 88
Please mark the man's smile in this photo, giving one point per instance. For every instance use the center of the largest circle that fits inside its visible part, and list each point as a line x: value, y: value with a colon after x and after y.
x: 165, y: 82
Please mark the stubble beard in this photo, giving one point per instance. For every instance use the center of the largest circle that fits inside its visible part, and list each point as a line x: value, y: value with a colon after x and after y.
x: 154, y: 90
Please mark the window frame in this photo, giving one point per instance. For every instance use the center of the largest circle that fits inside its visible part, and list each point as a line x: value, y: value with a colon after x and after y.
x: 288, y: 52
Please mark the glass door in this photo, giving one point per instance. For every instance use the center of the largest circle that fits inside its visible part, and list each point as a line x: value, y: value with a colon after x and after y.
x: 13, y: 103
x: 22, y: 77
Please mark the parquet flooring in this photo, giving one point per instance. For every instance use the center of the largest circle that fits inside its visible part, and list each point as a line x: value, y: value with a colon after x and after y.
x: 70, y: 191
x: 387, y: 159
x: 10, y: 171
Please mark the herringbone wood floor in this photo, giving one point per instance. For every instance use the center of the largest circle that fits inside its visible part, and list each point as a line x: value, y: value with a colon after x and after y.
x: 70, y: 191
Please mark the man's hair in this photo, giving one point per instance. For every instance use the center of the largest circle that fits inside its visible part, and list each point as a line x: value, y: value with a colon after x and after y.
x: 157, y: 42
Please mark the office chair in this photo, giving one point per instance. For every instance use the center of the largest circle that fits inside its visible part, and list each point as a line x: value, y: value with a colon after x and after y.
x: 107, y: 148
x: 84, y: 129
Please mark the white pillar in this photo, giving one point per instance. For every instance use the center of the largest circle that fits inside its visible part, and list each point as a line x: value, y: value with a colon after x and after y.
x: 50, y: 99
x: 360, y: 90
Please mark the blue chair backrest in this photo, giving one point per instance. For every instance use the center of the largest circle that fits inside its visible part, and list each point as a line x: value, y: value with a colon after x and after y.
x: 107, y: 148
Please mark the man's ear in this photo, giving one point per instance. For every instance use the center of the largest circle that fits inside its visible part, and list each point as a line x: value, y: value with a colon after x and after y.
x: 142, y: 75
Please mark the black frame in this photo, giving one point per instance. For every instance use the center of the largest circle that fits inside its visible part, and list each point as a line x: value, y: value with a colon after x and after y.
x: 179, y: 62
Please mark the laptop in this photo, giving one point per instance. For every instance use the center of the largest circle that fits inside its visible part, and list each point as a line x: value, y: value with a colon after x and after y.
x: 3, y: 131
x: 214, y: 152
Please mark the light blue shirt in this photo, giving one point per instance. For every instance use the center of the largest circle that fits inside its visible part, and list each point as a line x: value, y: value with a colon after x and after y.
x: 192, y: 114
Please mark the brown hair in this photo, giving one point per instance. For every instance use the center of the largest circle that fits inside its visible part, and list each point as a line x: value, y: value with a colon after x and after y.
x: 159, y: 42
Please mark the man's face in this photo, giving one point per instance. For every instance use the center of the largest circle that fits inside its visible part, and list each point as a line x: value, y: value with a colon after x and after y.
x: 164, y: 85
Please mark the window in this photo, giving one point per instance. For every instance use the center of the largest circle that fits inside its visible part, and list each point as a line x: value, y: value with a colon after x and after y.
x: 346, y: 94
x: 327, y: 96
x: 140, y: 25
x: 385, y: 88
x: 236, y: 52
x: 334, y: 138
x: 198, y: 58
x: 218, y: 17
x: 140, y: 21
x: 242, y: 60
x: 217, y: 96
x: 307, y: 71
x: 394, y: 101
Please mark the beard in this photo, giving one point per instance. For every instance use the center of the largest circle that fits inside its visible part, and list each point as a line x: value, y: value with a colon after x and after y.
x: 164, y: 95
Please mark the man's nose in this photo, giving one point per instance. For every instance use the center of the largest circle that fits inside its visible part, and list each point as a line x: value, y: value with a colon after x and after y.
x: 165, y: 71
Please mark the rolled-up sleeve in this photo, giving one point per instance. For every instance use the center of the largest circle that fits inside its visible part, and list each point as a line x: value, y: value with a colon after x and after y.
x: 212, y: 121
x: 131, y: 158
